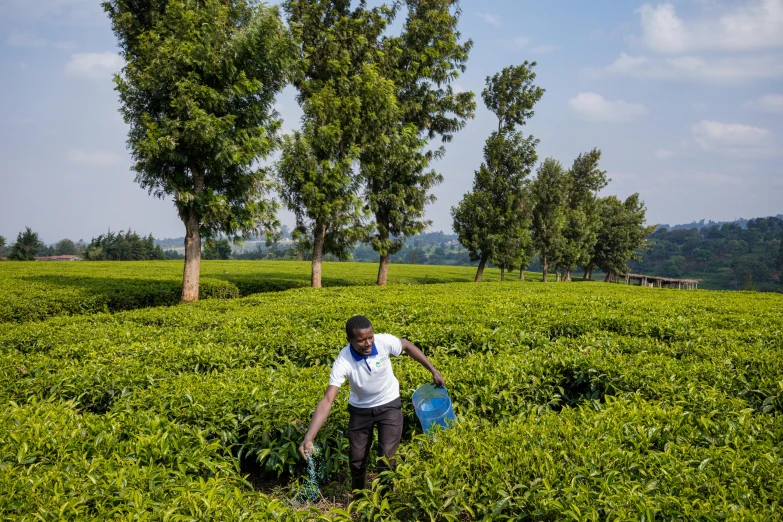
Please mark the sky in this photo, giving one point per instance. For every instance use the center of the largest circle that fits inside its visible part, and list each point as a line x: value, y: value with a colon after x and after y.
x: 683, y: 98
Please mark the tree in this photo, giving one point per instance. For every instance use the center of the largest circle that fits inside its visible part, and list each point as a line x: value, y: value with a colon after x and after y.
x: 548, y: 195
x: 421, y: 62
x: 26, y: 246
x: 345, y: 102
x: 2, y: 244
x: 123, y: 246
x: 621, y: 234
x: 197, y: 90
x: 704, y: 256
x: 220, y: 249
x: 584, y: 182
x: 491, y: 222
x: 65, y: 247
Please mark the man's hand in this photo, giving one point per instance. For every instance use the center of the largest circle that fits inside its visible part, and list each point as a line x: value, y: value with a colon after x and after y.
x: 437, y: 378
x: 306, y: 448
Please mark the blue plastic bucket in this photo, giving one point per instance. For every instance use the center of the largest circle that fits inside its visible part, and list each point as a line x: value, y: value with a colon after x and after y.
x: 433, y: 406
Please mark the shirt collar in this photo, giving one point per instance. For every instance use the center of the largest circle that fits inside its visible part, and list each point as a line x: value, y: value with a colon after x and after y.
x: 357, y: 357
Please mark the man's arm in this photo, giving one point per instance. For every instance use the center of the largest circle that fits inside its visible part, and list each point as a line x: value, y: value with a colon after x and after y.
x: 418, y: 356
x: 319, y: 417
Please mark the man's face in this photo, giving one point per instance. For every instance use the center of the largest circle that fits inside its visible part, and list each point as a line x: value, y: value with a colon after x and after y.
x: 362, y: 341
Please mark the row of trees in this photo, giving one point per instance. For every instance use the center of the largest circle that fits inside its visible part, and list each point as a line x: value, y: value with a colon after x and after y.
x: 198, y: 90
x: 112, y: 246
x: 123, y: 246
x: 507, y: 218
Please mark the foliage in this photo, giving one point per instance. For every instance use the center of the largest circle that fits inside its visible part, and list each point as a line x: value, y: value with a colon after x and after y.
x: 2, y: 244
x: 586, y: 401
x: 621, y: 234
x: 548, y: 195
x: 346, y: 103
x: 582, y: 221
x: 36, y: 292
x: 720, y: 256
x: 492, y: 220
x: 123, y: 246
x: 198, y: 90
x: 26, y: 246
x: 422, y: 62
x: 220, y: 249
x: 65, y: 247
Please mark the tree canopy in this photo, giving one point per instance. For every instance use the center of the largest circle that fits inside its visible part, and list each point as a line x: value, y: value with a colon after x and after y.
x: 26, y: 246
x: 548, y: 195
x: 123, y: 246
x: 197, y: 90
x: 422, y: 62
x: 621, y: 234
x: 346, y: 104
x: 492, y: 220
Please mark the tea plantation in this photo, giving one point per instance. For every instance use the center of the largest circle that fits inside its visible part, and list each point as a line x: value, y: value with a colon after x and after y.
x: 580, y: 401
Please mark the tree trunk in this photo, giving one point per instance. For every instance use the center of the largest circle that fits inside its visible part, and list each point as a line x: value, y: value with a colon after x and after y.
x: 502, y: 272
x: 608, y: 277
x: 319, y: 237
x: 545, y: 266
x: 383, y: 270
x: 190, y: 276
x: 568, y: 274
x: 522, y: 273
x: 480, y: 271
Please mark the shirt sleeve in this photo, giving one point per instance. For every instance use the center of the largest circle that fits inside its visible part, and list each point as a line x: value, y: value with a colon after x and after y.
x: 393, y: 344
x: 339, y: 373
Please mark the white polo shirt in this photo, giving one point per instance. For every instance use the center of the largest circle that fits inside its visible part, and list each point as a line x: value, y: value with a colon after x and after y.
x: 370, y: 378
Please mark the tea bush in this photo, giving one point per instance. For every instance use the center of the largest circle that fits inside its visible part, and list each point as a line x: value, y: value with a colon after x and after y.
x: 585, y: 401
x: 37, y: 291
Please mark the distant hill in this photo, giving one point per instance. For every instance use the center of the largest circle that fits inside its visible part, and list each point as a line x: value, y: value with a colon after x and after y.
x: 698, y: 225
x: 742, y: 254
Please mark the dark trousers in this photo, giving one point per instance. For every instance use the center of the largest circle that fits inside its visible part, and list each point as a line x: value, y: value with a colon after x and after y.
x: 388, y: 418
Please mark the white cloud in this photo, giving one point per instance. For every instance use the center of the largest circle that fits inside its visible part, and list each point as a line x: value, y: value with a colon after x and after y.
x: 25, y: 40
x: 757, y: 24
x: 94, y: 65
x: 694, y: 68
x: 709, y: 131
x: 592, y: 106
x: 544, y: 48
x: 772, y: 103
x: 523, y: 42
x: 664, y: 153
x: 735, y: 139
x: 93, y: 158
x: 490, y: 18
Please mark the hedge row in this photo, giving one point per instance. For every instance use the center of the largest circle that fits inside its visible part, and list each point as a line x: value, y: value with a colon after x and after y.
x: 584, y: 402
x: 37, y: 291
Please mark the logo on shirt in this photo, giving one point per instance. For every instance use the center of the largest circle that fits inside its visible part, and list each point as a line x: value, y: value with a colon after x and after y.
x: 381, y: 361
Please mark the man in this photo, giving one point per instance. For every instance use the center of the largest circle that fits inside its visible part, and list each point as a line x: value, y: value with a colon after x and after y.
x: 375, y: 395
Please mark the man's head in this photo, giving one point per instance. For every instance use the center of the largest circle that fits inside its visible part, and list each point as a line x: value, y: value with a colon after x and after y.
x: 359, y: 331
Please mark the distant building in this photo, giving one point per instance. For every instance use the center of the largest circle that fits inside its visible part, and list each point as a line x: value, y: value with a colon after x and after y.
x: 58, y: 258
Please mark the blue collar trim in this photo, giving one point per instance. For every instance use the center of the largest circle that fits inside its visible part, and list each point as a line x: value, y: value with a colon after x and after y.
x: 357, y: 357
